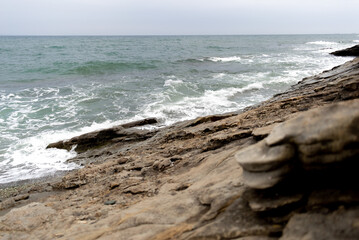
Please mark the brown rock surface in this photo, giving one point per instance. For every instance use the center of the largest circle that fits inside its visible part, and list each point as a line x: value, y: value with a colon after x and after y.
x: 183, y: 182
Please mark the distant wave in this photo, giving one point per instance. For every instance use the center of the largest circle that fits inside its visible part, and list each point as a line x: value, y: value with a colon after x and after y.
x: 225, y: 59
x: 213, y: 59
x: 101, y: 67
x: 356, y: 41
x: 322, y: 43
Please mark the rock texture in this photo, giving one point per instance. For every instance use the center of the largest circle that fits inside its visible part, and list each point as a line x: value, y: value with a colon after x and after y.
x: 317, y: 139
x: 349, y: 52
x: 297, y: 179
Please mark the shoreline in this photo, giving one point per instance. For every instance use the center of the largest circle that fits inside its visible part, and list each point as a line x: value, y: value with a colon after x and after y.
x: 183, y: 181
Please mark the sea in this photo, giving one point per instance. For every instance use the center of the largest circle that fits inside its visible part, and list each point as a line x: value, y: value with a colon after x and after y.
x: 56, y: 87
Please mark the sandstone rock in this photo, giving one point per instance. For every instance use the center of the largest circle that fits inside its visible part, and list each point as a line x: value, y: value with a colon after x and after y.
x: 273, y: 199
x: 26, y: 218
x: 260, y: 133
x: 315, y: 226
x: 237, y: 220
x: 263, y: 180
x: 260, y: 157
x: 321, y: 136
x: 324, y: 135
x: 352, y: 52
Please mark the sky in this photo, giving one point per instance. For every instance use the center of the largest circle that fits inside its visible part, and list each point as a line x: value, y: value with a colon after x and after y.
x: 177, y: 17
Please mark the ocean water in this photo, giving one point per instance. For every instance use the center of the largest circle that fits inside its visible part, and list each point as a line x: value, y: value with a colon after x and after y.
x: 54, y: 88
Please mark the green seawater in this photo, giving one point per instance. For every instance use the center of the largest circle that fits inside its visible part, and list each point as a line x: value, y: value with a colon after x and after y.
x: 53, y: 88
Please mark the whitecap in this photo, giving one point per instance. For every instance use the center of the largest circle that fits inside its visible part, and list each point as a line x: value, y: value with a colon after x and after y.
x: 322, y: 43
x: 171, y: 82
x: 356, y: 41
x: 225, y: 59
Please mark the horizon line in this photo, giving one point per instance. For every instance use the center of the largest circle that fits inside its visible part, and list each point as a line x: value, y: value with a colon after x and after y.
x: 164, y: 35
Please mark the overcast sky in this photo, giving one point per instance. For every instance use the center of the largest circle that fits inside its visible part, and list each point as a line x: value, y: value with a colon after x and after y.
x: 177, y: 17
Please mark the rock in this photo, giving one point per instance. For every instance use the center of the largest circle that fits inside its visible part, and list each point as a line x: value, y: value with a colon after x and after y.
x: 210, y: 118
x: 321, y: 136
x: 263, y: 180
x: 99, y: 138
x: 325, y: 135
x: 237, y: 220
x: 260, y: 133
x: 21, y: 197
x: 260, y: 157
x: 348, y: 52
x: 139, y: 123
x: 273, y: 199
x: 161, y: 164
x: 27, y: 217
x: 110, y: 202
x: 342, y: 224
x: 333, y: 197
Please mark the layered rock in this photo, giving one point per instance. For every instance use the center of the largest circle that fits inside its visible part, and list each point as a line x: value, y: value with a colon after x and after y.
x: 317, y: 139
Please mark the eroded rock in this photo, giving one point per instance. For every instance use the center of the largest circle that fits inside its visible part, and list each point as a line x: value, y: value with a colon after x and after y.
x: 314, y: 139
x: 341, y: 224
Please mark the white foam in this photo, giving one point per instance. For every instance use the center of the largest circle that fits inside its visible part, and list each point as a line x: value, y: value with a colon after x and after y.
x: 210, y: 102
x: 322, y: 43
x: 225, y: 59
x: 356, y: 41
x: 171, y: 82
x: 28, y: 158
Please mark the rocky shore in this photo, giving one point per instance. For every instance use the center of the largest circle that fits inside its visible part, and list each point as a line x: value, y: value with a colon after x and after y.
x: 284, y: 169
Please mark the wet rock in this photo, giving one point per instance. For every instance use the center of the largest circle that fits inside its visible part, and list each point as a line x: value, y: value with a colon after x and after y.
x: 348, y: 52
x: 110, y: 202
x: 211, y: 118
x: 96, y: 139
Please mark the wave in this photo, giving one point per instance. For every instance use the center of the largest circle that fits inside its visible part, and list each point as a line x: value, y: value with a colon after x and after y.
x: 225, y: 59
x: 171, y: 109
x: 213, y: 59
x: 356, y: 41
x: 102, y: 67
x: 322, y: 43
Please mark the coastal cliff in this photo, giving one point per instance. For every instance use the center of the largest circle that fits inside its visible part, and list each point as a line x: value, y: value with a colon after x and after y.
x: 283, y: 169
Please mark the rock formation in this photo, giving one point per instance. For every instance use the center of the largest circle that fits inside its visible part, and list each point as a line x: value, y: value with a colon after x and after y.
x: 296, y: 177
x: 349, y: 52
